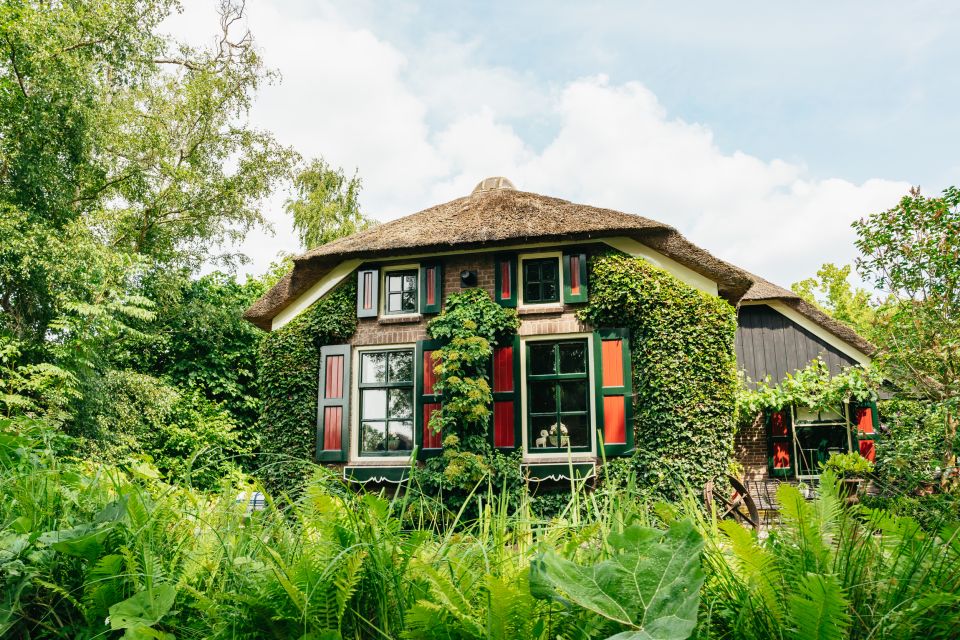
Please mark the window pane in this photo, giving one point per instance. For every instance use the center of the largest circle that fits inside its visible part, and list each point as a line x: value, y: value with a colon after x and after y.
x: 410, y: 283
x: 400, y: 435
x: 409, y: 301
x: 549, y: 292
x: 373, y: 404
x: 531, y: 271
x: 401, y: 366
x: 394, y: 283
x: 401, y: 403
x: 578, y: 430
x: 541, y: 359
x: 531, y: 292
x: 373, y: 436
x: 543, y: 397
x: 373, y: 367
x: 395, y: 302
x: 573, y: 357
x: 548, y: 270
x: 540, y: 432
x: 573, y: 395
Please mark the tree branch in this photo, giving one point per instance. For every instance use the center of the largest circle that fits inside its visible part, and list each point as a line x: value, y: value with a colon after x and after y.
x: 16, y: 70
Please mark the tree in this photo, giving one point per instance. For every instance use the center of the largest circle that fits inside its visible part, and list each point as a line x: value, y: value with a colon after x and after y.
x: 912, y: 252
x: 326, y: 206
x: 832, y: 292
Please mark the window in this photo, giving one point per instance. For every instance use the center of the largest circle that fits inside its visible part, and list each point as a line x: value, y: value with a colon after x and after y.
x: 401, y: 294
x: 386, y: 402
x: 541, y: 280
x: 558, y: 396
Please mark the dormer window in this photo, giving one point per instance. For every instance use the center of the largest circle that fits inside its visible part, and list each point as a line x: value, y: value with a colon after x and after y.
x: 401, y: 292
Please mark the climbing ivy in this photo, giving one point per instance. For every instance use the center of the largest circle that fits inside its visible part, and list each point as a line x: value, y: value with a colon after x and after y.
x: 288, y: 373
x: 684, y: 369
x: 813, y: 386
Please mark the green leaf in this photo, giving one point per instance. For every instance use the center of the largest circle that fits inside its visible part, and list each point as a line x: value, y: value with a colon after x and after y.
x: 81, y: 542
x: 650, y: 587
x: 143, y: 609
x: 818, y: 610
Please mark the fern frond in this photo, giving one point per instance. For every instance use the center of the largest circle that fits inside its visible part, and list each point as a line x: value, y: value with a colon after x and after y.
x: 818, y: 610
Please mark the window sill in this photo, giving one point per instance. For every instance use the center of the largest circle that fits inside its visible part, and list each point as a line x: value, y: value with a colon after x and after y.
x: 406, y: 318
x: 530, y: 309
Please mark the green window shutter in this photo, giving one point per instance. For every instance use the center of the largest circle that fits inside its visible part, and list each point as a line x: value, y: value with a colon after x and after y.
x: 506, y: 395
x: 368, y: 288
x: 779, y: 428
x: 333, y: 404
x: 574, y: 277
x: 613, y: 382
x: 431, y: 287
x: 428, y: 400
x: 505, y: 280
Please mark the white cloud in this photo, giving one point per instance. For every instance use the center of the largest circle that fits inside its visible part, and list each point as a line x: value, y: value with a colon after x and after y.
x: 422, y: 127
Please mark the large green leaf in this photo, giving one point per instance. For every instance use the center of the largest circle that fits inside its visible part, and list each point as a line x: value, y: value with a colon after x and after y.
x: 650, y: 587
x: 143, y: 609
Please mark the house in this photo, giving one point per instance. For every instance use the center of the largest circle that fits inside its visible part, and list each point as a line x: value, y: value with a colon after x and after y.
x: 530, y: 252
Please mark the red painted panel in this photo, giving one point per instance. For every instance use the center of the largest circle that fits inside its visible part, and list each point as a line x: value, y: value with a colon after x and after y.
x: 332, y: 419
x: 503, y: 421
x: 368, y: 290
x: 778, y: 423
x: 503, y: 369
x: 334, y: 373
x: 575, y: 275
x: 614, y: 420
x: 781, y: 455
x: 867, y: 450
x: 431, y: 439
x: 505, y: 285
x: 612, y: 358
x: 431, y: 285
x: 429, y: 377
x: 865, y: 420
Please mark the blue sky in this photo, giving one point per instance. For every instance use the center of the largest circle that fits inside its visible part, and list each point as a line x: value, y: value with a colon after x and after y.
x: 760, y: 130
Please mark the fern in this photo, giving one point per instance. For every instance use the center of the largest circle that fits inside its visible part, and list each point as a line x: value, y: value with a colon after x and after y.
x: 818, y: 609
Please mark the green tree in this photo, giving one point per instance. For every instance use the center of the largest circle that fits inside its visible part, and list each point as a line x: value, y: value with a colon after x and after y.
x: 326, y: 206
x: 832, y: 292
x: 912, y: 252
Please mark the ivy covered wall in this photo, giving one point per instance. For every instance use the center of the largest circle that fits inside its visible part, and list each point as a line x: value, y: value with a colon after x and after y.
x: 684, y: 369
x: 289, y: 370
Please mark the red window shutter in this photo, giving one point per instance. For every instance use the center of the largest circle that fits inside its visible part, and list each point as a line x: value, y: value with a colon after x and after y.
x: 574, y: 277
x: 781, y: 455
x: 506, y: 396
x: 779, y: 443
x: 865, y: 420
x: 431, y: 287
x: 868, y: 450
x: 429, y: 442
x: 614, y: 390
x: 505, y: 280
x: 333, y: 407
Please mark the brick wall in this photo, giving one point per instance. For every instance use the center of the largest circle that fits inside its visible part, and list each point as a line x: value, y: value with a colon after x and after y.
x: 385, y: 330
x: 750, y: 450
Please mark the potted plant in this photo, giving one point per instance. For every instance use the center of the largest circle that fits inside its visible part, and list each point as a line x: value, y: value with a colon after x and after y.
x: 851, y: 469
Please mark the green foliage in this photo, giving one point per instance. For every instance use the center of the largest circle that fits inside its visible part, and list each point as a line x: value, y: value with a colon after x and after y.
x: 289, y: 367
x: 832, y: 292
x: 849, y: 465
x: 813, y: 386
x: 912, y: 253
x: 649, y: 589
x: 830, y: 571
x: 326, y: 206
x: 684, y: 369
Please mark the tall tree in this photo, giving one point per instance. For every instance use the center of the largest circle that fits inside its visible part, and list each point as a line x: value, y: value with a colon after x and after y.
x: 912, y: 251
x: 326, y: 205
x: 832, y: 291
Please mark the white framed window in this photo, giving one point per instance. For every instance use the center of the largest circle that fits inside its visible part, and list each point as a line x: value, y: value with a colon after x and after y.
x: 558, y: 396
x: 401, y: 290
x: 383, y: 421
x: 541, y: 278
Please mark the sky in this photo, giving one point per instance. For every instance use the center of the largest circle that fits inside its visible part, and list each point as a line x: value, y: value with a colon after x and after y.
x: 759, y: 130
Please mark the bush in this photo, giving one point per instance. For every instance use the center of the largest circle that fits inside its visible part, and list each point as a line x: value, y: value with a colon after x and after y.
x: 684, y: 369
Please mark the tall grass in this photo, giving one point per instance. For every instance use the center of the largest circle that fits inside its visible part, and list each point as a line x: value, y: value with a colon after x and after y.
x: 90, y: 551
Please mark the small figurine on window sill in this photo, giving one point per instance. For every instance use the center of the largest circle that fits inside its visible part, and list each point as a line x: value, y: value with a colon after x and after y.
x: 564, y: 434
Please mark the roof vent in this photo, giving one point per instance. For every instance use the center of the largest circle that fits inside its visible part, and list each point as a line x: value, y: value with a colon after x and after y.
x: 494, y: 184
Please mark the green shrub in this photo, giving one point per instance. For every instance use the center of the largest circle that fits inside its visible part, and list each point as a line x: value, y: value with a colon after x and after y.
x: 848, y: 465
x: 289, y: 367
x: 684, y: 369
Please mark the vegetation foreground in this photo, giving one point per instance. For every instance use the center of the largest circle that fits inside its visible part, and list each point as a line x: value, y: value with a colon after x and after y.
x: 90, y: 550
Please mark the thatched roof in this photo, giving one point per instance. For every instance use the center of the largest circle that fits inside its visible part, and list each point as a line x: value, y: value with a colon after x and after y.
x: 497, y: 214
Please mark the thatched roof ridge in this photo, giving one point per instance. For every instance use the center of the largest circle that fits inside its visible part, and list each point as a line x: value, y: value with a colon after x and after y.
x: 505, y: 216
